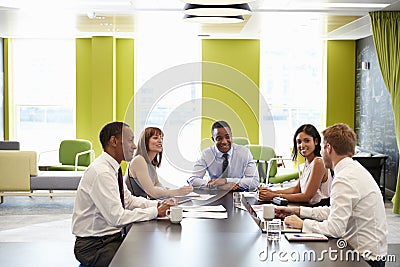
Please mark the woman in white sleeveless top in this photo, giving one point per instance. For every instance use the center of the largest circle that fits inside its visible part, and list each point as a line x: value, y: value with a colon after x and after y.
x: 314, y: 183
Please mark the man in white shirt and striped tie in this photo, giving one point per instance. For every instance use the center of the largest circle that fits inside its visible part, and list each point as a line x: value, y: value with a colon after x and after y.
x: 230, y: 166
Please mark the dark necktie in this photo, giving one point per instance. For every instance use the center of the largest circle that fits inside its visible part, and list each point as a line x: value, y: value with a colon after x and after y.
x: 121, y: 187
x: 121, y: 194
x: 225, y: 166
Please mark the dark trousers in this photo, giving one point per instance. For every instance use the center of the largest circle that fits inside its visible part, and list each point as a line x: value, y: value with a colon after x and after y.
x: 97, y: 251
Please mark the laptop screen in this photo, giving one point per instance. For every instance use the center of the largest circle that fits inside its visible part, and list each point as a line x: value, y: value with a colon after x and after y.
x: 252, y: 213
x: 261, y: 223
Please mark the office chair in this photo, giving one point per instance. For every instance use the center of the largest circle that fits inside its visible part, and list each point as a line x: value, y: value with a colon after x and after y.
x: 267, y: 165
x: 74, y: 155
x: 241, y: 140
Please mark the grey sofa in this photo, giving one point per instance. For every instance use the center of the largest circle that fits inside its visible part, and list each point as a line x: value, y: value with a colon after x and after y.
x: 19, y: 175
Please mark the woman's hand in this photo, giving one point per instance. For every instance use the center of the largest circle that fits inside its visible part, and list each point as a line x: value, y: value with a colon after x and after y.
x: 184, y: 190
x: 265, y: 194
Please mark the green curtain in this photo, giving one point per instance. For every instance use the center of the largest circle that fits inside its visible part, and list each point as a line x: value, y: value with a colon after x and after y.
x: 386, y: 31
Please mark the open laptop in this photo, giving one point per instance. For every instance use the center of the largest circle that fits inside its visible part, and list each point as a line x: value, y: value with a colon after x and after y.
x: 262, y: 224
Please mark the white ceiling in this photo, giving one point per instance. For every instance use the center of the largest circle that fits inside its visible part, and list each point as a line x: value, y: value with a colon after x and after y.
x: 69, y: 18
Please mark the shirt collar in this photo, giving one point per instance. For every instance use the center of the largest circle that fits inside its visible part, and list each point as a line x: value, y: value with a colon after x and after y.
x: 111, y: 160
x: 219, y: 153
x: 341, y: 164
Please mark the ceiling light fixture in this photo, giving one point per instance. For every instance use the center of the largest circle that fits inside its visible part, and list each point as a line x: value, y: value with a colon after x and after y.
x: 214, y: 19
x: 217, y: 2
x: 91, y: 14
x: 217, y: 10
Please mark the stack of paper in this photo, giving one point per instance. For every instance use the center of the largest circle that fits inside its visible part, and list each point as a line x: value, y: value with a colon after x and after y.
x: 209, y: 212
x: 196, y: 196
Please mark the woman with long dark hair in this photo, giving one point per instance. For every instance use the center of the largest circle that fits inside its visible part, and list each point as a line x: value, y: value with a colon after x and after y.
x: 313, y: 186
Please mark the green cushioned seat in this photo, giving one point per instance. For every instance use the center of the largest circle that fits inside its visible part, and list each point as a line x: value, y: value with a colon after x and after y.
x: 266, y: 161
x: 241, y: 140
x: 74, y: 155
x: 283, y: 175
x: 66, y: 168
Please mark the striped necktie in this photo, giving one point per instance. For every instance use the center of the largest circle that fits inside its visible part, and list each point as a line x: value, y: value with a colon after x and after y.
x: 225, y: 166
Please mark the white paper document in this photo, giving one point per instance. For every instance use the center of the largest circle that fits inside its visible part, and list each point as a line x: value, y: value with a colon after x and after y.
x: 196, y: 196
x: 203, y: 197
x: 249, y: 194
x: 191, y: 194
x: 205, y: 214
x: 218, y: 208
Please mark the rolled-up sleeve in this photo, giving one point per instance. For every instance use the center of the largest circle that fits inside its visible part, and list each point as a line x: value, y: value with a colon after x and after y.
x: 199, y: 170
x: 105, y: 195
x: 331, y: 221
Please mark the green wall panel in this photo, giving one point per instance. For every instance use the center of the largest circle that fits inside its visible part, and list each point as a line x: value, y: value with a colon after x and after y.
x: 7, y: 121
x: 103, y: 82
x: 231, y: 86
x: 125, y: 80
x: 84, y: 89
x: 341, y: 65
x: 102, y: 96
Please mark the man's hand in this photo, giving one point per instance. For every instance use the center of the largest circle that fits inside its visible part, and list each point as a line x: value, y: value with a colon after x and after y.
x: 164, y: 205
x: 229, y: 186
x: 216, y: 182
x: 184, y: 190
x: 294, y: 222
x: 282, y: 212
x: 170, y: 201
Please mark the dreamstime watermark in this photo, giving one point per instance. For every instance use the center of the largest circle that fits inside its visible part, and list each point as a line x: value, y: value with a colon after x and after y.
x: 330, y: 254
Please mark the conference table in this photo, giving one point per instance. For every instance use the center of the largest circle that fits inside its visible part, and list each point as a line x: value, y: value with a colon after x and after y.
x: 234, y: 241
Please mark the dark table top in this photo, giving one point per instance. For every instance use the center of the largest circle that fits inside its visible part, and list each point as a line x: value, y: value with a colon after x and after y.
x: 235, y: 241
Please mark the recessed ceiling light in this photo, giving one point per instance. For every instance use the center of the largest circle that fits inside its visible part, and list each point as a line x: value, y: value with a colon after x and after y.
x: 91, y: 14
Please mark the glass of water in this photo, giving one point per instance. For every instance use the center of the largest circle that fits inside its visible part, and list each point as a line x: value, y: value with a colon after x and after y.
x: 237, y: 199
x: 274, y: 230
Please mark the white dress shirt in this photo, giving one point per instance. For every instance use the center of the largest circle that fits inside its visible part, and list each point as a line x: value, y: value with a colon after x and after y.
x: 241, y: 167
x: 98, y: 210
x: 357, y: 211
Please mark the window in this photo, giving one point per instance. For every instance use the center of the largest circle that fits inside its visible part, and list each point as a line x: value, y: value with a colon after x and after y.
x: 44, y: 93
x: 291, y: 86
x: 167, y: 99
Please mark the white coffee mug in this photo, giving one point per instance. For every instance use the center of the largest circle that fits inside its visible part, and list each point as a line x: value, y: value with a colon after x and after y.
x: 268, y: 211
x: 174, y: 214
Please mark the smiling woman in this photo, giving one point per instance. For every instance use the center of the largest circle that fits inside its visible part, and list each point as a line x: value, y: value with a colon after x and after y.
x: 141, y: 175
